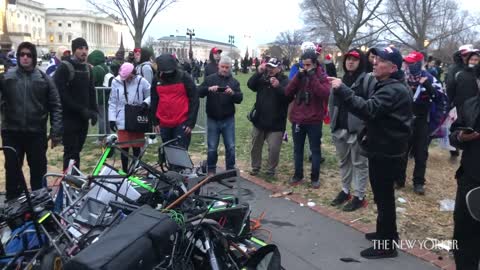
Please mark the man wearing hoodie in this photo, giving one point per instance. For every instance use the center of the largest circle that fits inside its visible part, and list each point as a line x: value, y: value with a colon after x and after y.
x: 174, y: 101
x: 76, y: 86
x: 388, y: 115
x: 310, y: 90
x: 99, y: 70
x: 345, y: 127
x: 212, y: 66
x: 460, y: 61
x: 464, y: 84
x: 28, y: 98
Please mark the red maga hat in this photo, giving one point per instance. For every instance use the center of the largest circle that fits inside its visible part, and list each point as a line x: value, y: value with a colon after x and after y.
x: 413, y: 57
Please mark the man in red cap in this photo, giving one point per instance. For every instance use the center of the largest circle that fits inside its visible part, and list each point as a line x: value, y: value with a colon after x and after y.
x: 423, y: 87
x: 212, y: 66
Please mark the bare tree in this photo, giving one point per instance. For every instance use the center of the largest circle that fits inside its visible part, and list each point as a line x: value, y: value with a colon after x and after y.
x: 150, y: 42
x: 348, y: 21
x: 420, y: 24
x: 287, y: 44
x: 137, y: 14
x: 274, y: 51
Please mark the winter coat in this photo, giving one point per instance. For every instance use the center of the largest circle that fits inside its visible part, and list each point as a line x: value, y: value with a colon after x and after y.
x: 77, y: 95
x: 388, y: 116
x: 469, y: 116
x: 463, y: 86
x: 174, y: 101
x: 271, y: 104
x: 212, y: 66
x: 97, y: 60
x: 220, y: 105
x: 138, y: 90
x: 27, y: 100
x: 316, y: 89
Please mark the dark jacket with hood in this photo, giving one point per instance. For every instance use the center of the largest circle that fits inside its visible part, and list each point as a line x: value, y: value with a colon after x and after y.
x: 469, y: 116
x: 457, y: 65
x: 212, y: 66
x: 388, y: 116
x: 463, y: 85
x: 175, y: 100
x: 77, y: 95
x: 271, y: 104
x: 220, y: 105
x: 314, y: 87
x: 359, y: 82
x: 28, y: 98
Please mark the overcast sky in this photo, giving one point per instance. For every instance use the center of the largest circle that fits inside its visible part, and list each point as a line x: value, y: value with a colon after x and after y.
x: 262, y: 20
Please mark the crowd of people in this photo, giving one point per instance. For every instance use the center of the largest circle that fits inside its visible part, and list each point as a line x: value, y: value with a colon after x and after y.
x: 385, y: 109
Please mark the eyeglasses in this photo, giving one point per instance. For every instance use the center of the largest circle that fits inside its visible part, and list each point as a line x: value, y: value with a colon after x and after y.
x: 22, y: 54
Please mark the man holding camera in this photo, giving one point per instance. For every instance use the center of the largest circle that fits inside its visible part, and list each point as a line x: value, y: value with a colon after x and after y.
x: 269, y: 114
x: 310, y: 89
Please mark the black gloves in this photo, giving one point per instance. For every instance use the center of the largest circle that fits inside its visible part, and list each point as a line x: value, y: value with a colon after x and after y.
x: 113, y: 126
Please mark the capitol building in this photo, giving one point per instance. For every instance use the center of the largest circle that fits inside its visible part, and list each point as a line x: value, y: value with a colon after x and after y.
x: 49, y: 28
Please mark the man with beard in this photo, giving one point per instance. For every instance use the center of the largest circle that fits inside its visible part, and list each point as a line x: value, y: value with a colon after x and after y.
x: 345, y: 127
x: 75, y: 84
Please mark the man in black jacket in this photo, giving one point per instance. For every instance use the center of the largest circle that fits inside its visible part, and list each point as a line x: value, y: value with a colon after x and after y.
x: 269, y: 115
x: 76, y: 86
x: 459, y: 63
x: 466, y: 229
x: 222, y: 92
x: 174, y: 101
x: 28, y: 98
x: 388, y: 116
x: 212, y: 66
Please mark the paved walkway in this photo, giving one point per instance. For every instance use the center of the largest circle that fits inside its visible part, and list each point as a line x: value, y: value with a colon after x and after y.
x: 311, y: 241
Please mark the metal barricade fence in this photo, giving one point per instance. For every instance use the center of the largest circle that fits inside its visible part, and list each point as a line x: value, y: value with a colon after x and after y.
x: 102, y: 127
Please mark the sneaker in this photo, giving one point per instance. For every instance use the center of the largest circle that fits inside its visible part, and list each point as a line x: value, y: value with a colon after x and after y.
x: 315, y: 184
x: 295, y: 180
x: 341, y: 198
x: 355, y: 204
x: 371, y: 236
x: 254, y: 172
x: 419, y: 189
x: 270, y: 174
x: 378, y: 253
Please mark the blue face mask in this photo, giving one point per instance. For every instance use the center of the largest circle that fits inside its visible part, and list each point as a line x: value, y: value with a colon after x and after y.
x: 415, y: 69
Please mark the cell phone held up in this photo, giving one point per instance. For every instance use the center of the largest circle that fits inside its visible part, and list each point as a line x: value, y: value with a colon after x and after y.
x: 221, y: 89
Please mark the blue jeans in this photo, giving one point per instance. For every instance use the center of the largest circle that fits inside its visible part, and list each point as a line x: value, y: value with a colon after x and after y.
x: 314, y: 133
x: 226, y: 128
x: 172, y: 133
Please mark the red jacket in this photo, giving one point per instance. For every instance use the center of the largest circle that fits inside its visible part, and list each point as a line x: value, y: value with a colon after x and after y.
x: 318, y: 88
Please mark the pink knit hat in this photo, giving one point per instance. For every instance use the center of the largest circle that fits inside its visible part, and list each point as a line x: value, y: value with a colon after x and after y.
x: 125, y: 70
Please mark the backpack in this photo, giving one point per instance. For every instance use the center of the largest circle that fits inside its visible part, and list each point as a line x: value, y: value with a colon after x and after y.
x: 72, y: 71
